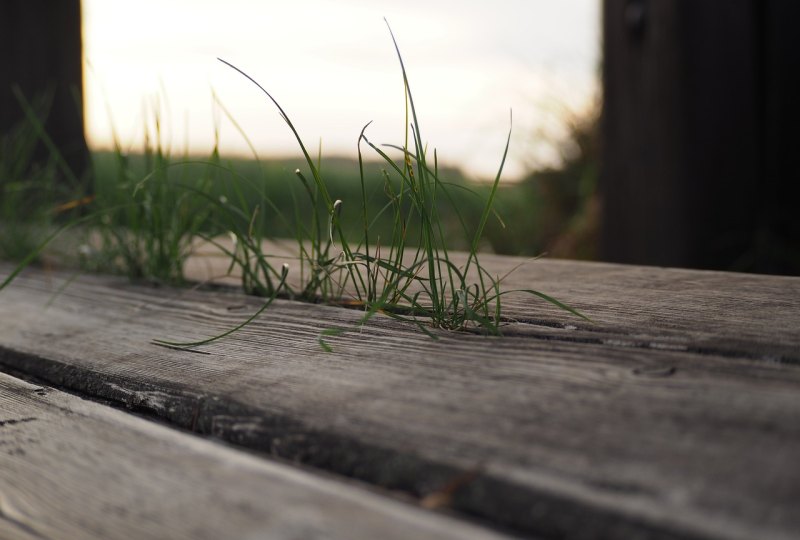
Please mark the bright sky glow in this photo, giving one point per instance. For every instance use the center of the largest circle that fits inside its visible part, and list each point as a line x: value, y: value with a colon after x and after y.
x: 332, y: 66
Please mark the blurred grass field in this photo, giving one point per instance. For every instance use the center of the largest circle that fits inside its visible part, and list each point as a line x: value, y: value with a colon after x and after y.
x: 380, y: 231
x: 551, y: 211
x: 232, y: 178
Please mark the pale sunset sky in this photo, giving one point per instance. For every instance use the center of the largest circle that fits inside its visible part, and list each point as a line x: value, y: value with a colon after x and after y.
x: 332, y: 66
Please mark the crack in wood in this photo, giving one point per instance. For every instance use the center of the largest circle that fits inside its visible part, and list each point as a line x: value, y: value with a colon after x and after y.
x: 624, y: 341
x: 478, y: 494
x: 15, y: 421
x: 634, y: 427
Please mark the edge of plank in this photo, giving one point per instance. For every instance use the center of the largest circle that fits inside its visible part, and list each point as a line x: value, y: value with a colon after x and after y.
x: 554, y: 510
x: 259, y: 498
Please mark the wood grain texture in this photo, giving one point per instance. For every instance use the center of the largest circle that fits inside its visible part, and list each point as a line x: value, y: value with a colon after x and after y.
x: 724, y: 313
x: 71, y: 469
x: 567, y: 436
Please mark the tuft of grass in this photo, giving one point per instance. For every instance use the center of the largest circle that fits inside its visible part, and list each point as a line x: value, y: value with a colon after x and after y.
x: 412, y: 279
x: 146, y: 224
x: 393, y: 258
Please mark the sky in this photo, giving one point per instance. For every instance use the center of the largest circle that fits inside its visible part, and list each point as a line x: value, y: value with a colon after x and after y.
x: 332, y: 67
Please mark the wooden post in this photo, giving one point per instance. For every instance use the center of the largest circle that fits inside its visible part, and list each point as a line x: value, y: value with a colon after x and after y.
x: 779, y: 235
x: 41, y: 44
x: 693, y: 120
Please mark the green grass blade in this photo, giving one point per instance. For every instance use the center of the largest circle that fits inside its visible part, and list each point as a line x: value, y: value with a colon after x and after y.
x: 191, y: 344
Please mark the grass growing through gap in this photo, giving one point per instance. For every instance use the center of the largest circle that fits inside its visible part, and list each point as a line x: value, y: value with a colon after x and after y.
x: 147, y: 224
x: 410, y: 276
x: 394, y: 258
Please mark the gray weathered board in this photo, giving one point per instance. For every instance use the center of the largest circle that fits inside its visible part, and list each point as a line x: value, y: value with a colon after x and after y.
x: 675, y: 414
x: 71, y: 468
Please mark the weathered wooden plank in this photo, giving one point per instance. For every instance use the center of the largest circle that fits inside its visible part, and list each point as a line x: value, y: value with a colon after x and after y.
x: 71, y: 468
x: 724, y: 313
x: 555, y: 437
x: 729, y: 314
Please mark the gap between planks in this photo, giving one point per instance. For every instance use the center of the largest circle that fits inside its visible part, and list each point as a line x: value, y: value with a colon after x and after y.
x: 570, y: 438
x: 74, y: 469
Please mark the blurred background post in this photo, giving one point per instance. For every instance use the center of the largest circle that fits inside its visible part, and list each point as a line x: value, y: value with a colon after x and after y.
x: 41, y: 73
x: 699, y: 130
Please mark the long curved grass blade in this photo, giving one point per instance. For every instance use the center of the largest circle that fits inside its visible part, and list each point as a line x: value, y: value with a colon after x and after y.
x: 545, y: 297
x: 191, y: 344
x: 314, y: 169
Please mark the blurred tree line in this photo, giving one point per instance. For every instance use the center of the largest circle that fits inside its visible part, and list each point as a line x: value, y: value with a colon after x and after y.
x: 555, y: 210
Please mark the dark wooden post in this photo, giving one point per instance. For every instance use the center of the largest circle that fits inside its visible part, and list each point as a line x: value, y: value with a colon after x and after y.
x: 779, y: 234
x: 41, y: 49
x: 697, y: 115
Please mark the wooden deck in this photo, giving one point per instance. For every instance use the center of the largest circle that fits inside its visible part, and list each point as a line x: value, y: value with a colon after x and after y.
x: 675, y: 414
